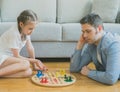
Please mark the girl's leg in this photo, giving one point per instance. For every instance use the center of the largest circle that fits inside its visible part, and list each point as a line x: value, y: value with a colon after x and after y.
x: 11, y: 60
x: 26, y: 73
x: 13, y: 65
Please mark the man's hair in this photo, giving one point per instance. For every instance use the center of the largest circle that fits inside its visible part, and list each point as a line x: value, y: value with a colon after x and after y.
x: 92, y: 19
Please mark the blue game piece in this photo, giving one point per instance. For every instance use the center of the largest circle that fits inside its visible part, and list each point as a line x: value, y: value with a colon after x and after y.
x: 39, y: 74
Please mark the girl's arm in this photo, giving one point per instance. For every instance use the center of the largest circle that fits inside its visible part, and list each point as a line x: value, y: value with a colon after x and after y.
x: 30, y: 49
x: 17, y: 55
x: 31, y: 52
x: 38, y: 65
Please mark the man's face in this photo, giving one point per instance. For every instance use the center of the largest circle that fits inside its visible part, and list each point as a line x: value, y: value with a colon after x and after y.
x: 89, y: 33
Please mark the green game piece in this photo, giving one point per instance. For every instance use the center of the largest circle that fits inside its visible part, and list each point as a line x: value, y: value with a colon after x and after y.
x: 68, y: 79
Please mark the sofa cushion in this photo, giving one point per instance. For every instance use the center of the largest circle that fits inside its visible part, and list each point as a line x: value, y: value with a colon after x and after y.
x: 43, y: 31
x: 107, y: 9
x: 52, y: 49
x: 71, y: 31
x: 0, y: 17
x: 72, y: 10
x: 112, y: 27
x: 0, y: 10
x: 4, y: 26
x: 47, y: 32
x: 118, y: 15
x: 45, y: 9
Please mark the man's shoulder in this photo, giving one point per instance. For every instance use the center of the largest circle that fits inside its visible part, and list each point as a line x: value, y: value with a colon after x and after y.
x: 110, y: 38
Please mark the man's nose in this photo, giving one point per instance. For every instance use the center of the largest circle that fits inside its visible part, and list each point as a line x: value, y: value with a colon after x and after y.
x: 84, y: 34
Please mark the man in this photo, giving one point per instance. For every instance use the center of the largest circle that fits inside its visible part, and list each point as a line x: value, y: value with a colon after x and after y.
x: 97, y: 46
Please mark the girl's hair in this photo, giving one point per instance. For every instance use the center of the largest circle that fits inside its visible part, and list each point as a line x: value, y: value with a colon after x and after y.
x: 25, y: 17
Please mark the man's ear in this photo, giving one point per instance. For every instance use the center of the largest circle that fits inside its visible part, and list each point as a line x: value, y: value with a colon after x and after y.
x: 21, y: 24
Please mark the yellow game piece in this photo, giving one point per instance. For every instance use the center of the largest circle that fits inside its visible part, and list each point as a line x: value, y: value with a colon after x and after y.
x: 62, y: 72
x: 57, y: 74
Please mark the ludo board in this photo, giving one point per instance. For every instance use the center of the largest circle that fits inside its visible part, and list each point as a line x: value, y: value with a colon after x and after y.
x: 55, y: 78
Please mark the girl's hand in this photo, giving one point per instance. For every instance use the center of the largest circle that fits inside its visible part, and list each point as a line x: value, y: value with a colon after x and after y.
x: 38, y: 65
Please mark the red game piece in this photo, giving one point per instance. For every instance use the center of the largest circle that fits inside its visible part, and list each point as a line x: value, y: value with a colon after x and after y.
x: 44, y: 80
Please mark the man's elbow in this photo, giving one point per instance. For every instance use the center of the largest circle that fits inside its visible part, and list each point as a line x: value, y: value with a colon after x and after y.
x: 111, y: 81
x: 74, y: 69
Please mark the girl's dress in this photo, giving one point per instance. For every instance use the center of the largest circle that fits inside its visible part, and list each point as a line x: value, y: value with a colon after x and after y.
x: 10, y: 39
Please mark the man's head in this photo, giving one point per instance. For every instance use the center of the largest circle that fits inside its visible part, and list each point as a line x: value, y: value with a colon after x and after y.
x: 92, y: 19
x: 92, y: 28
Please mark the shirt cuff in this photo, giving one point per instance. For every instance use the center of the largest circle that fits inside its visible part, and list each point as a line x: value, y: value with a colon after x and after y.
x: 92, y: 74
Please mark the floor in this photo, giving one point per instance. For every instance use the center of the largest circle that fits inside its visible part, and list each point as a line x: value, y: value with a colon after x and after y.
x: 83, y: 84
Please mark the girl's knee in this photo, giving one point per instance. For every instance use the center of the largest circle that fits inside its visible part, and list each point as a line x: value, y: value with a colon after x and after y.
x: 28, y: 72
x: 25, y: 64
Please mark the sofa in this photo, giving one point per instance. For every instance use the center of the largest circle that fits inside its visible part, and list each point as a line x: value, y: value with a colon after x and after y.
x: 59, y: 29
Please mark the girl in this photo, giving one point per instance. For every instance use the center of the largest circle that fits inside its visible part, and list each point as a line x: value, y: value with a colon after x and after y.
x: 11, y: 43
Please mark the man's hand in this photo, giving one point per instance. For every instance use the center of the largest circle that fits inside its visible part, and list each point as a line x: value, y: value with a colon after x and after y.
x: 85, y: 70
x: 80, y: 43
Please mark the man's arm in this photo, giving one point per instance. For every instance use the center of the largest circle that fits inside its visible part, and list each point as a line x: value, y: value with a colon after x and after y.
x: 112, y: 73
x: 80, y: 57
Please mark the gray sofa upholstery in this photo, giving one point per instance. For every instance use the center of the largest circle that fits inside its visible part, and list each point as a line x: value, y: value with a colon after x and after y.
x: 59, y: 28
